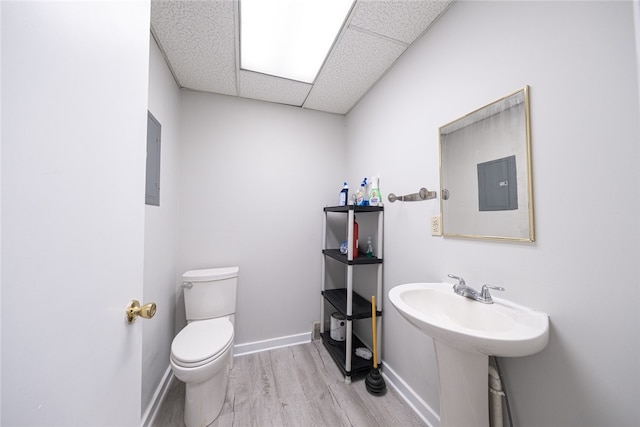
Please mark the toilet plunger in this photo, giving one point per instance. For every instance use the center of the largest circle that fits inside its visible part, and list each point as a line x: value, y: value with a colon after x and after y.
x: 374, y: 381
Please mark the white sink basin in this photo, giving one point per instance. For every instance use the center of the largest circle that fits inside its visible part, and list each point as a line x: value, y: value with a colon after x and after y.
x: 499, y: 329
x: 465, y: 333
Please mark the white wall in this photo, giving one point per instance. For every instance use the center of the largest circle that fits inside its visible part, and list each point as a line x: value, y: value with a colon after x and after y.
x: 0, y: 225
x: 254, y: 178
x: 580, y: 60
x: 161, y: 229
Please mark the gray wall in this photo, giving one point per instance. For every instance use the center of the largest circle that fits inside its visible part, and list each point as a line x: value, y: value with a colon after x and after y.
x: 254, y: 178
x: 580, y: 60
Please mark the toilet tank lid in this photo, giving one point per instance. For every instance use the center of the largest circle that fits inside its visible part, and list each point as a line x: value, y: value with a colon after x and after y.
x: 210, y: 274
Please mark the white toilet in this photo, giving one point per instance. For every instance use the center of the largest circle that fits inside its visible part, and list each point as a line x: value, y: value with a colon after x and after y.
x: 202, y: 352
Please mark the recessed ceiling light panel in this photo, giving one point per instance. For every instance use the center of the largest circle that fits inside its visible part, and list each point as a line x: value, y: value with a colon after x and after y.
x: 289, y: 38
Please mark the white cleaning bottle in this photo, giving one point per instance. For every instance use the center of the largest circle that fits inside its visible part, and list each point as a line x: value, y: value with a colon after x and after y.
x: 361, y: 193
x: 375, y: 198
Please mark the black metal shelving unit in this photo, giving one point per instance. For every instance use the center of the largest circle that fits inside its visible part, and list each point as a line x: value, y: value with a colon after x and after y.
x: 344, y: 300
x: 360, y: 260
x: 338, y: 352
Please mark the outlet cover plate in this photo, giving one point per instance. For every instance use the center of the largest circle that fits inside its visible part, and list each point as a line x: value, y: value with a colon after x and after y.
x: 436, y: 229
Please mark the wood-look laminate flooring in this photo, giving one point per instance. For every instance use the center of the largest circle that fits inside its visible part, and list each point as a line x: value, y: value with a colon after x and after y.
x: 295, y: 386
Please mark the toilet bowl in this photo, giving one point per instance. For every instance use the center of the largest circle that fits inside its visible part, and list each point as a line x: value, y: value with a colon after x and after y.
x: 202, y: 352
x: 200, y: 357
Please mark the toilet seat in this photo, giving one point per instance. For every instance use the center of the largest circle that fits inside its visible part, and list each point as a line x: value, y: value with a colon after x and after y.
x: 201, y: 342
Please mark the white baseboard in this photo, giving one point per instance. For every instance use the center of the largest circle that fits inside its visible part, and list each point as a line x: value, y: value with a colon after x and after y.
x: 158, y: 397
x: 257, y: 346
x: 421, y: 407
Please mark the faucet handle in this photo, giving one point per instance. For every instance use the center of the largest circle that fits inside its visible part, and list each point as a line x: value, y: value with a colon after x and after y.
x: 459, y: 279
x: 485, y: 291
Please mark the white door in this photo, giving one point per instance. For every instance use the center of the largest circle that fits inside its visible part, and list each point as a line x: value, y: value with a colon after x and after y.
x: 74, y: 100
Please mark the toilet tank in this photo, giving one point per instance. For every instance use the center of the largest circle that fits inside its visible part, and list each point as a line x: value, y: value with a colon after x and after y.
x: 210, y: 293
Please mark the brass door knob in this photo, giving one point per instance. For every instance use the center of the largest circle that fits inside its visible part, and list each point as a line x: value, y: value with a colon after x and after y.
x: 134, y: 310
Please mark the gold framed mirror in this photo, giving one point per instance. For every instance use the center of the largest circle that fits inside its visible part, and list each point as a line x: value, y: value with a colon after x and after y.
x: 485, y: 172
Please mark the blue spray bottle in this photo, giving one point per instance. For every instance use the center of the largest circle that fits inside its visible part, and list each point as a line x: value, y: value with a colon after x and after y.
x: 344, y: 195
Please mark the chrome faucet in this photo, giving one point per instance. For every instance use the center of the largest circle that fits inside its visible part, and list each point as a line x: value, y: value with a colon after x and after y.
x: 483, y: 296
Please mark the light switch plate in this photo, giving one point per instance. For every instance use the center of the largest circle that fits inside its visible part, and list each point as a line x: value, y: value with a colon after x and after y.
x: 436, y: 229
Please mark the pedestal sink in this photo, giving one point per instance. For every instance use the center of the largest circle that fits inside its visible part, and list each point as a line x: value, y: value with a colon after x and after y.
x: 465, y: 333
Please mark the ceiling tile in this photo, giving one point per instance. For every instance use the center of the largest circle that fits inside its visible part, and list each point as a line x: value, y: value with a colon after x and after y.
x: 272, y: 89
x: 198, y: 39
x: 359, y: 59
x: 402, y: 20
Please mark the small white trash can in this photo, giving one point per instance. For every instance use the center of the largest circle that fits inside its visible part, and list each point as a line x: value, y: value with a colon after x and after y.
x: 337, y: 327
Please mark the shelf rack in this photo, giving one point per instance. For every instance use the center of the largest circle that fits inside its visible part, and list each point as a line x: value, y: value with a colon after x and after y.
x: 347, y: 302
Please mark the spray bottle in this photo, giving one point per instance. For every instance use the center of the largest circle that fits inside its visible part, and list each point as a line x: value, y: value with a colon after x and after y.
x: 366, y: 192
x: 374, y: 198
x: 361, y: 194
x: 369, y: 252
x: 344, y: 195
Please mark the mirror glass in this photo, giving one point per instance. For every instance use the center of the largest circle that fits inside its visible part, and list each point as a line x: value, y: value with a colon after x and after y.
x: 485, y: 172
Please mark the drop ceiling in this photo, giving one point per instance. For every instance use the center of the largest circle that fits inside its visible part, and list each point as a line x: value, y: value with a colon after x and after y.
x: 200, y: 41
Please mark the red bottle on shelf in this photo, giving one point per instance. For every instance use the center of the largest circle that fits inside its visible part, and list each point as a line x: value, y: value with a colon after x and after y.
x: 355, y: 238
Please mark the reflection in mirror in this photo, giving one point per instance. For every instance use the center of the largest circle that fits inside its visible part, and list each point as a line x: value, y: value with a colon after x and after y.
x: 485, y: 172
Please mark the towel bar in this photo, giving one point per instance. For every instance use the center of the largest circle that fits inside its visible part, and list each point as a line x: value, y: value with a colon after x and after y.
x: 423, y: 194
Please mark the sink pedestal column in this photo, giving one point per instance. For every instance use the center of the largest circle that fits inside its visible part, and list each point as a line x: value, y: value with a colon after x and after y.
x: 464, y: 390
